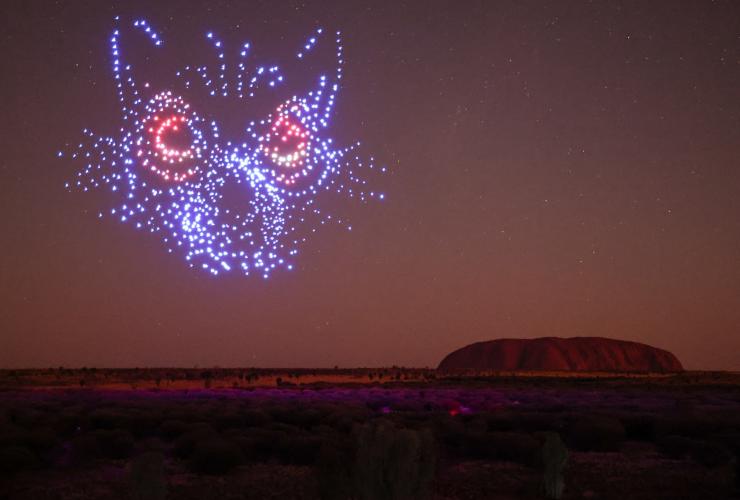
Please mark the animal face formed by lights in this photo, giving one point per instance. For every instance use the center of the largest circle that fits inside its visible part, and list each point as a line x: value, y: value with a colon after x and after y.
x: 245, y: 204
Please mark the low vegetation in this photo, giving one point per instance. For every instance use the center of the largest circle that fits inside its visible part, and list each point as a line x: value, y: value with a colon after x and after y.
x: 419, y: 439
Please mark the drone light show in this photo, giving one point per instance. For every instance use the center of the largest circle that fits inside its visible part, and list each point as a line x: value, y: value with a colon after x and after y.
x: 168, y: 169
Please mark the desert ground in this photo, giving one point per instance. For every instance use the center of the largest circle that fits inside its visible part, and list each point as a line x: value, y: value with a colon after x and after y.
x: 205, y: 433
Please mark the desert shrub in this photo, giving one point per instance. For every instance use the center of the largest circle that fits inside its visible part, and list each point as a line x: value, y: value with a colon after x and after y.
x: 554, y: 457
x: 596, y: 434
x: 144, y: 423
x: 334, y: 466
x: 513, y: 446
x: 25, y: 417
x: 185, y: 444
x: 501, y: 422
x: 639, y: 427
x: 227, y: 420
x: 14, y: 459
x: 151, y: 444
x: 85, y: 447
x: 393, y: 463
x: 255, y: 418
x: 147, y: 478
x: 451, y: 433
x: 170, y: 429
x: 114, y: 444
x: 11, y: 434
x: 506, y: 446
x: 376, y: 405
x: 215, y: 455
x: 534, y: 422
x: 41, y: 439
x: 305, y: 418
x: 67, y: 423
x: 686, y: 425
x: 706, y: 453
x: 343, y: 419
x: 675, y: 446
x: 730, y: 439
x: 108, y: 418
x: 711, y: 454
x: 284, y: 428
x: 283, y: 412
x: 473, y: 423
x: 261, y: 445
x: 299, y: 450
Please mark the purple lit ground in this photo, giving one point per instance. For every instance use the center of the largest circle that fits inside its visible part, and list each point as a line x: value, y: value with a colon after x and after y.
x: 486, y: 428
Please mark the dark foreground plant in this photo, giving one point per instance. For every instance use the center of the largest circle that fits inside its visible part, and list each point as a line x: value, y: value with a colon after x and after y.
x: 597, y: 433
x: 554, y: 458
x: 14, y: 459
x: 215, y: 456
x: 148, y: 481
x: 383, y: 463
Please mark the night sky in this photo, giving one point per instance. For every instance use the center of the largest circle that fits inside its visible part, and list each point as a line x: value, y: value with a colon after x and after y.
x: 556, y: 169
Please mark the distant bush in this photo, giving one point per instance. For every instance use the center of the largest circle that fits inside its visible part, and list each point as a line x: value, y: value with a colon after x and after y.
x: 147, y: 478
x: 639, y: 427
x: 513, y: 446
x: 67, y: 422
x: 227, y: 420
x: 25, y: 417
x: 255, y: 418
x: 502, y: 422
x: 109, y: 418
x: 335, y: 469
x: 257, y: 444
x: 40, y: 440
x: 344, y: 419
x: 300, y: 450
x: 711, y: 454
x: 143, y: 423
x: 706, y: 453
x: 170, y: 429
x: 113, y: 444
x: 185, y: 444
x: 506, y: 446
x: 304, y: 418
x: 215, y: 456
x: 14, y: 459
x: 451, y: 434
x: 538, y: 422
x: 11, y: 434
x: 596, y: 433
x: 473, y: 440
x: 687, y: 425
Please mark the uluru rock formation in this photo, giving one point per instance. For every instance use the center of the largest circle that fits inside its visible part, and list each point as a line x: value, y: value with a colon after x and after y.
x: 593, y: 354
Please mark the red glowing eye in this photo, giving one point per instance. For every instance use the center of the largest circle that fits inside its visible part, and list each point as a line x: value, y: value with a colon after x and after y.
x: 287, y: 142
x: 170, y: 139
